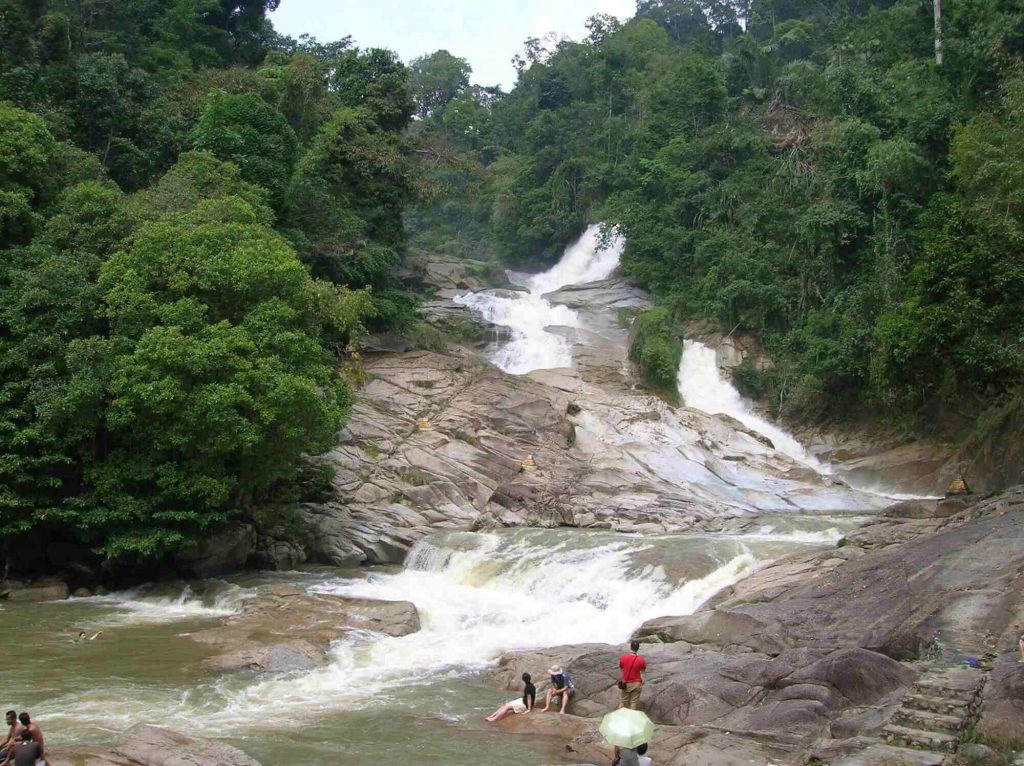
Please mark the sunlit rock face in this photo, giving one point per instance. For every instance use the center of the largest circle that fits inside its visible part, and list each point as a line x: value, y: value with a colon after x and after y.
x: 548, y: 427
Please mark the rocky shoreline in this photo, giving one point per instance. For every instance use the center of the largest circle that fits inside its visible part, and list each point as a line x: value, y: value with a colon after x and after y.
x: 821, y: 657
x: 812, y: 659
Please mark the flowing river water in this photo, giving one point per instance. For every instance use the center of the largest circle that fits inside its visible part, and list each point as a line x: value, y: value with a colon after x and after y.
x: 417, y: 699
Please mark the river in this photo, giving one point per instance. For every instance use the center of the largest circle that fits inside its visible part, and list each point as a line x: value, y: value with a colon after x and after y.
x: 419, y: 698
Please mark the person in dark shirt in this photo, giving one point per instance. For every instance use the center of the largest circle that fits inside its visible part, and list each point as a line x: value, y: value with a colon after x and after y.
x: 28, y: 751
x: 523, y: 705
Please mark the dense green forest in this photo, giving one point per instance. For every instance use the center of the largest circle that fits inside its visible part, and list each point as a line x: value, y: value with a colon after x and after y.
x: 803, y: 170
x: 200, y: 218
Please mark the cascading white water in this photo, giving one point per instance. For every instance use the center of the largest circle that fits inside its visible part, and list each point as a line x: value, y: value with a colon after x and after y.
x: 482, y: 595
x: 142, y: 605
x: 703, y: 388
x: 529, y: 315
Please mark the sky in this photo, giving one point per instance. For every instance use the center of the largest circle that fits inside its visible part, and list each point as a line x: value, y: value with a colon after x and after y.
x: 486, y: 32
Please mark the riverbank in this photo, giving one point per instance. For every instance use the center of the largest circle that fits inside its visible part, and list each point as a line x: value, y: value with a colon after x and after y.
x: 813, y: 655
x: 554, y: 508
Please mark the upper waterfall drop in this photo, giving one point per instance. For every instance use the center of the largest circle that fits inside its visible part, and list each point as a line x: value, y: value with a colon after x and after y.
x: 529, y: 314
x: 703, y: 388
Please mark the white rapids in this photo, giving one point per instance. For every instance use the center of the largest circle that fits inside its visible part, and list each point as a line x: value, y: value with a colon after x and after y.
x: 703, y: 388
x: 529, y: 314
x: 479, y: 596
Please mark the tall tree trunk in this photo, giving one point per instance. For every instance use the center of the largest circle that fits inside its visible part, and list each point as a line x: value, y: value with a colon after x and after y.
x: 938, y: 31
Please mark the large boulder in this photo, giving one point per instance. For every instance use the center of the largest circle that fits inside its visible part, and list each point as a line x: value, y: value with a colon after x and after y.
x: 46, y: 590
x: 1002, y: 712
x: 154, y: 746
x: 725, y: 630
x: 145, y: 745
x: 912, y: 582
x: 286, y: 629
x: 222, y: 550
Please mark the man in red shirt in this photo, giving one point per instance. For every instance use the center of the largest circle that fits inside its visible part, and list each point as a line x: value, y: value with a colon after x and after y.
x: 631, y: 680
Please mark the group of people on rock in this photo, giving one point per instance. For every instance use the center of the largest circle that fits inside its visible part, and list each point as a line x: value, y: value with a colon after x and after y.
x: 632, y: 667
x: 560, y: 691
x: 23, y: 745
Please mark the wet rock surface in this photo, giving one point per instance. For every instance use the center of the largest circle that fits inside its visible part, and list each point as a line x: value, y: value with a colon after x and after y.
x: 224, y: 549
x: 42, y: 590
x: 286, y: 629
x: 447, y: 442
x: 144, y: 745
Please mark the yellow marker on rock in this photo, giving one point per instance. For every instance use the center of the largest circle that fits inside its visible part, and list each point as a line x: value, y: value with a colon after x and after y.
x: 424, y: 425
x: 527, y: 464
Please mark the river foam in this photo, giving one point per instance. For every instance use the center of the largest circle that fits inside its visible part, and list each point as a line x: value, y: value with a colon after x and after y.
x: 529, y: 314
x: 703, y: 388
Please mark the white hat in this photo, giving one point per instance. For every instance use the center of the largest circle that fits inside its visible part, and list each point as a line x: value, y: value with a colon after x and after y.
x: 555, y: 670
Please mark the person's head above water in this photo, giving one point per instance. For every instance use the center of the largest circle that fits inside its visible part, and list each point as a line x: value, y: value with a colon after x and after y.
x: 81, y: 634
x: 527, y: 678
x: 634, y: 645
x: 25, y: 719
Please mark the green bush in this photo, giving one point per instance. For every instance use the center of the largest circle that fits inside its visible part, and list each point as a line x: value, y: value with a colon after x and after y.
x: 657, y: 351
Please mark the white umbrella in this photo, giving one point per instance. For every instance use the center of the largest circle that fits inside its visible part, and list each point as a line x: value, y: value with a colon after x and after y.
x: 627, y: 728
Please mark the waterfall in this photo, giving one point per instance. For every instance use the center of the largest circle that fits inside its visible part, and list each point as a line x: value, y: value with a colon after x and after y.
x: 529, y: 314
x: 703, y: 388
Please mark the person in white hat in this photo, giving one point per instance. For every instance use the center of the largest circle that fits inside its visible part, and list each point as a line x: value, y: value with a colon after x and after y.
x: 561, y: 686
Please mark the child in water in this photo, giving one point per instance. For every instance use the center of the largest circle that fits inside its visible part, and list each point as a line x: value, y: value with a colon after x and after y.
x: 523, y: 705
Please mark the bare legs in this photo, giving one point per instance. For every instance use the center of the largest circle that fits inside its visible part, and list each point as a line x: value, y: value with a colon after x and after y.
x: 500, y: 713
x: 563, y: 693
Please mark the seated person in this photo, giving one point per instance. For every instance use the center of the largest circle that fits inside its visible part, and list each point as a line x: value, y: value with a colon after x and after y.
x: 13, y: 735
x: 560, y: 687
x: 26, y: 752
x: 37, y: 733
x: 523, y: 705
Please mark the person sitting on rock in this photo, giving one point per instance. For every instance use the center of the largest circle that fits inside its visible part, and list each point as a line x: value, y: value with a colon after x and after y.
x: 37, y: 733
x: 561, y: 686
x: 523, y: 705
x: 27, y: 752
x: 14, y: 729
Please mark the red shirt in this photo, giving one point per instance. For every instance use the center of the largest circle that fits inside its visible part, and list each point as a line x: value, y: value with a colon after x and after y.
x: 632, y: 665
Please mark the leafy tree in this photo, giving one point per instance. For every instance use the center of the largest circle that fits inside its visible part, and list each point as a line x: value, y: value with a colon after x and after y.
x: 245, y: 130
x: 216, y: 380
x: 27, y: 157
x: 347, y: 199
x: 376, y: 81
x: 436, y: 81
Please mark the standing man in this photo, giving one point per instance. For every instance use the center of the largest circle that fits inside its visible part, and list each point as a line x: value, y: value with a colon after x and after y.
x: 631, y: 679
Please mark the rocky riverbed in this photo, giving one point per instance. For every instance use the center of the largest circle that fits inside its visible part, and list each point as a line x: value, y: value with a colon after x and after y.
x: 813, y: 649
